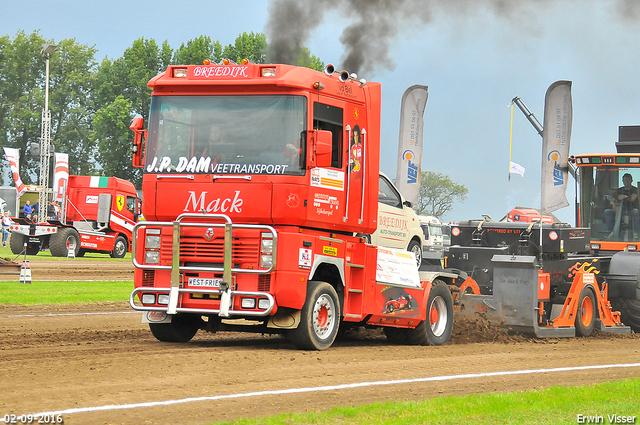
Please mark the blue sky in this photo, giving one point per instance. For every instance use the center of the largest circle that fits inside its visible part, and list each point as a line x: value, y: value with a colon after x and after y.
x: 473, y: 61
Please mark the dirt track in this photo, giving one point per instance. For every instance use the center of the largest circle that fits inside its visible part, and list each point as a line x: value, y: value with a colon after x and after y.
x: 59, y: 269
x: 59, y: 358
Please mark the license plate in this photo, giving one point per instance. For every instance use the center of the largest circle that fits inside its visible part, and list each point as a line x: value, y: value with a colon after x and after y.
x: 200, y: 281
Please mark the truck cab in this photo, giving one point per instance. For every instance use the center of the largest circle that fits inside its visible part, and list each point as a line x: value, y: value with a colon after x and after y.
x: 433, y: 245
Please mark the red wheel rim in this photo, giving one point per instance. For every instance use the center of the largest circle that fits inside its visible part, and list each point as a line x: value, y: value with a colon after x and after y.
x: 433, y: 316
x: 323, y: 316
x: 586, y: 311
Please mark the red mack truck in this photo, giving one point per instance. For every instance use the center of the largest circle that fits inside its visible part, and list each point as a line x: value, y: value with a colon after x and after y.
x: 98, y: 215
x: 260, y: 188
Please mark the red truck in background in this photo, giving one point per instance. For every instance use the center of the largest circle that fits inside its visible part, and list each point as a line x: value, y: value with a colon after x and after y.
x: 261, y: 186
x: 97, y: 215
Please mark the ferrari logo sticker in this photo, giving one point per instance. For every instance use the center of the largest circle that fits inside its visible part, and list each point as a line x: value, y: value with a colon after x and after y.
x: 120, y: 202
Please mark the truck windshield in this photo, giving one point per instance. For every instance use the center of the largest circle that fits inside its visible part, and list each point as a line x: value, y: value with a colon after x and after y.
x: 609, y: 202
x: 226, y: 135
x: 435, y: 230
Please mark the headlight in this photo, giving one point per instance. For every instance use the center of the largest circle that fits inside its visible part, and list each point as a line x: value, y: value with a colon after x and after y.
x: 266, y: 261
x: 152, y: 257
x: 148, y: 299
x: 152, y: 242
x: 263, y: 304
x: 163, y: 299
x: 267, y: 246
x: 248, y: 303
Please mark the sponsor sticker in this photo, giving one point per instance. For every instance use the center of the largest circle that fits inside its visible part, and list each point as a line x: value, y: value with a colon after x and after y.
x: 304, y: 258
x: 329, y: 250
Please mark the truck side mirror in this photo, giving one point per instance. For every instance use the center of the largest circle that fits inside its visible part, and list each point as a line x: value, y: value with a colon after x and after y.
x: 321, y: 148
x: 138, y: 147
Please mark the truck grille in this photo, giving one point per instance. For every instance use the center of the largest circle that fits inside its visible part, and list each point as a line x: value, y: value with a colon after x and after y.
x: 196, y: 249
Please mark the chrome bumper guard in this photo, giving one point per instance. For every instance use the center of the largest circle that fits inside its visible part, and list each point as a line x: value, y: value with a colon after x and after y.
x: 231, y: 311
x: 226, y: 292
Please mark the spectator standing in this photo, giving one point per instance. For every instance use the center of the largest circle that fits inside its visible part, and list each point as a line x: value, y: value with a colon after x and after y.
x: 6, y: 223
x: 27, y: 209
x: 51, y: 211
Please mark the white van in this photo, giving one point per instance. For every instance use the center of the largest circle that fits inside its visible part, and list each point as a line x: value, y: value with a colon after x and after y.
x: 433, y: 245
x: 398, y: 224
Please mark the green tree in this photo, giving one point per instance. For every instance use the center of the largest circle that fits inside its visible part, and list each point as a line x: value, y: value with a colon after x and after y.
x: 111, y: 131
x: 252, y: 46
x: 22, y: 93
x: 305, y: 58
x: 438, y: 193
x: 121, y: 82
x: 197, y: 50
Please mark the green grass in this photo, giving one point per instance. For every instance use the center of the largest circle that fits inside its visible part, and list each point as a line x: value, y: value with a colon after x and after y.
x: 63, y: 292
x: 556, y: 405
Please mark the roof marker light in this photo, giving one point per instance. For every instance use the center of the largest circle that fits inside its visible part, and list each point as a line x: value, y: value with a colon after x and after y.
x: 179, y: 72
x: 268, y: 72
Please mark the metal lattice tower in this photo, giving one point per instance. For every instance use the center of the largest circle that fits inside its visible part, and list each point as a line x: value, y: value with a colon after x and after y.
x: 45, y: 140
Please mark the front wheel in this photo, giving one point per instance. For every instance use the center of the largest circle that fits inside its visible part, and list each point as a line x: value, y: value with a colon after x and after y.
x: 587, y: 312
x: 120, y: 248
x: 319, y: 319
x: 437, y: 327
x: 417, y: 251
x: 182, y: 328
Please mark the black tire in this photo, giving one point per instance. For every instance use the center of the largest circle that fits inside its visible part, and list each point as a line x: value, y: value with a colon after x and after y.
x: 437, y: 327
x: 120, y: 248
x: 629, y: 311
x: 319, y: 319
x: 182, y: 328
x: 16, y: 243
x: 396, y: 335
x: 417, y: 251
x: 60, y: 241
x: 81, y: 252
x: 587, y: 312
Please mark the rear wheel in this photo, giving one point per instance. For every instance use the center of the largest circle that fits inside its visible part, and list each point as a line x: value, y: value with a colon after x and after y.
x: 437, y: 328
x: 120, y: 248
x: 62, y: 239
x: 182, y: 328
x: 319, y: 319
x: 16, y: 243
x: 587, y: 312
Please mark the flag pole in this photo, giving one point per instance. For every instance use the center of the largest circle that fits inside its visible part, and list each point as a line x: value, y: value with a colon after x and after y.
x: 510, y: 140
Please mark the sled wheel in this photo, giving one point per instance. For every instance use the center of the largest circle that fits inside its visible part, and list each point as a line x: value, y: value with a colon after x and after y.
x: 181, y: 328
x: 586, y: 314
x: 437, y: 327
x: 319, y: 319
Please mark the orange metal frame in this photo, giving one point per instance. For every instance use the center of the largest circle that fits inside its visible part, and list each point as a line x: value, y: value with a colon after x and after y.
x: 570, y: 308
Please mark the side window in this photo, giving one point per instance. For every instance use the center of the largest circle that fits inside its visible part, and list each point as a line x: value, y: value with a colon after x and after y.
x: 327, y: 117
x: 388, y: 195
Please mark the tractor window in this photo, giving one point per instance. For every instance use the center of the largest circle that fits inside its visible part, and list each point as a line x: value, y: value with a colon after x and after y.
x: 327, y: 117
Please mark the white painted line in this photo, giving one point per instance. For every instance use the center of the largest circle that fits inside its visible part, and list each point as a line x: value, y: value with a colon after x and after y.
x: 71, y: 314
x: 330, y: 388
